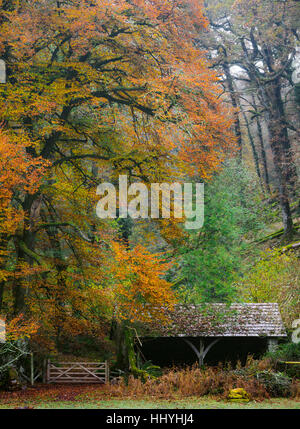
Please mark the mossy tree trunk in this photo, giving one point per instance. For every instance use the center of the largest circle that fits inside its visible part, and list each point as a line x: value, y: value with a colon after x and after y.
x: 126, y: 356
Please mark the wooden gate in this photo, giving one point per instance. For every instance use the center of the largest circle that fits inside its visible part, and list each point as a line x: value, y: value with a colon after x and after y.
x: 77, y: 372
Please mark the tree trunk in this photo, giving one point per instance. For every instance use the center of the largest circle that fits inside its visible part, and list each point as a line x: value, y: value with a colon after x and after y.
x: 254, y: 151
x: 234, y: 101
x: 122, y: 354
x: 280, y: 141
x: 126, y: 356
x: 262, y: 148
x: 3, y: 247
x: 270, y: 96
x: 19, y: 290
x: 24, y: 244
x: 282, y: 154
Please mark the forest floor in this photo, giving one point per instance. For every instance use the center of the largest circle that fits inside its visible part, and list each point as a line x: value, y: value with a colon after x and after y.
x: 95, y: 397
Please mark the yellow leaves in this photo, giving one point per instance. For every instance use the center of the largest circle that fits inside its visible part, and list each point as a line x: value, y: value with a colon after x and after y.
x: 20, y: 328
x: 150, y: 47
x: 18, y: 173
x: 140, y: 291
x: 121, y: 81
x: 274, y: 278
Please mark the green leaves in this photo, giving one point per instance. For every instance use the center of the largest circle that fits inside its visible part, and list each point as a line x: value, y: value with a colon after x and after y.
x: 234, y: 213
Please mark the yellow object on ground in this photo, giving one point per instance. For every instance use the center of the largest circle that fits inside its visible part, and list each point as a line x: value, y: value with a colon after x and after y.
x: 238, y: 395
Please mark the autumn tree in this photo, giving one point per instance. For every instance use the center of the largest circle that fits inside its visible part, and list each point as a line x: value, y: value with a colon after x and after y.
x: 20, y: 174
x: 100, y: 88
x: 141, y: 295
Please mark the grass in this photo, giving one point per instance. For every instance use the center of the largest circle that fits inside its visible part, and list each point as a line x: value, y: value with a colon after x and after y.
x: 191, y: 403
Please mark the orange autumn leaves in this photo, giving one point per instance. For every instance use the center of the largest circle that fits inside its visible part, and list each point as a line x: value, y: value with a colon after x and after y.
x: 102, y: 88
x: 141, y: 292
x: 139, y: 54
x: 19, y: 173
x: 20, y: 328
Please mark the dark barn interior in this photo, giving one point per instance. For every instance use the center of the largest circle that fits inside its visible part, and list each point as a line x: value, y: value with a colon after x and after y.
x: 168, y: 351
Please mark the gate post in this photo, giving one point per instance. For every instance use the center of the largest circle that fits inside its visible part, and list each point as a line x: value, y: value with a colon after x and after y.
x: 44, y: 371
x: 47, y: 370
x: 31, y: 370
x: 106, y: 372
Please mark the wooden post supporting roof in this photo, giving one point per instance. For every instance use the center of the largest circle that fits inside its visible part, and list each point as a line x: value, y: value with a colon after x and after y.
x: 202, y: 352
x: 272, y: 344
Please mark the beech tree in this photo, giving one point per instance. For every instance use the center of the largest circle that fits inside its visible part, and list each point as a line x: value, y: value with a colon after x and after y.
x: 99, y: 88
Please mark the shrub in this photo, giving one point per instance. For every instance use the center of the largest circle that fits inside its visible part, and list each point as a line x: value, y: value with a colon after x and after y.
x: 10, y: 379
x: 295, y: 389
x: 253, y: 366
x: 285, y: 357
x: 274, y: 268
x: 286, y: 352
x: 191, y: 381
x: 257, y: 378
x: 276, y: 383
x: 152, y: 370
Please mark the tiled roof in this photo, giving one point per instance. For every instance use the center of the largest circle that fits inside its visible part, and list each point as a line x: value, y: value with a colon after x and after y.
x: 236, y: 320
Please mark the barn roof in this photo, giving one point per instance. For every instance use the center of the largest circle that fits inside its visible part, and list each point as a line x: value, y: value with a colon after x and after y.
x: 221, y: 320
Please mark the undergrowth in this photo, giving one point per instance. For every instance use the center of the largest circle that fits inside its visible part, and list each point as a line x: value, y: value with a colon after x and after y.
x: 256, y: 377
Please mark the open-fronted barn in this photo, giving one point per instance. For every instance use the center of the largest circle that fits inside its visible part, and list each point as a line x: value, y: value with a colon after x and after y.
x: 215, y: 332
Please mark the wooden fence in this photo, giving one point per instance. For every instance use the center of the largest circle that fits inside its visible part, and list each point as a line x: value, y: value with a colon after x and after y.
x: 77, y: 372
